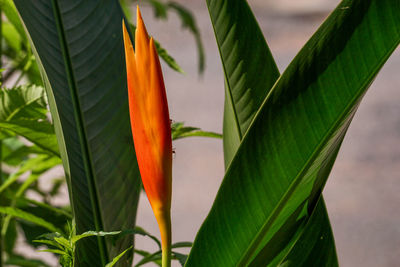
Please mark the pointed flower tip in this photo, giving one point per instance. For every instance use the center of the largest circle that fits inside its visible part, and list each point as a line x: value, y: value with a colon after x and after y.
x: 140, y: 27
x: 138, y: 11
x: 127, y: 39
x: 151, y: 42
x: 124, y: 30
x: 139, y: 19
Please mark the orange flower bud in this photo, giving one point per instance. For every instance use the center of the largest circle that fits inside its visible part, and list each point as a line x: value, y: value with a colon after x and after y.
x: 151, y: 127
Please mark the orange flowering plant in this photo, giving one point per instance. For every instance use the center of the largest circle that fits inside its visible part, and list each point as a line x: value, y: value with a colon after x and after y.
x: 151, y: 128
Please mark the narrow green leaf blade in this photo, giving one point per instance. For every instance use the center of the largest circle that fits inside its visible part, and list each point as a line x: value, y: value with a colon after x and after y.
x: 117, y: 258
x: 140, y: 231
x: 55, y: 251
x: 76, y: 238
x: 178, y: 131
x: 28, y: 217
x: 48, y: 242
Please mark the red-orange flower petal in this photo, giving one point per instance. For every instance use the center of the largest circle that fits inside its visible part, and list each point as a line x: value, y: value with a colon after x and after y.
x: 150, y: 123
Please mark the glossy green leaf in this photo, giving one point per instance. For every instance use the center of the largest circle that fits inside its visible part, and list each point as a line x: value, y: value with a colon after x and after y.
x: 78, y: 45
x: 248, y: 65
x: 282, y: 163
x: 239, y: 85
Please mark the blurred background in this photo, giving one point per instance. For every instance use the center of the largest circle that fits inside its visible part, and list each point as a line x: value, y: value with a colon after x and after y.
x: 362, y: 192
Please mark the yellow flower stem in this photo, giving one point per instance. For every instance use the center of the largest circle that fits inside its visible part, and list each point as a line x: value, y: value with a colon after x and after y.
x: 164, y: 223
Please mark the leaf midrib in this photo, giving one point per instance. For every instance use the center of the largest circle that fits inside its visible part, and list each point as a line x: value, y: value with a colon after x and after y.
x: 78, y: 116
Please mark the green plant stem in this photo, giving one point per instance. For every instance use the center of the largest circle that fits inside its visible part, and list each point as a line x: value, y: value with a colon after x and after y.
x: 166, y: 250
x: 164, y: 223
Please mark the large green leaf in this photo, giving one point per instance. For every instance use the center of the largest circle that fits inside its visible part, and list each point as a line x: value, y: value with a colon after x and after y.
x: 237, y: 22
x: 280, y: 167
x: 78, y: 45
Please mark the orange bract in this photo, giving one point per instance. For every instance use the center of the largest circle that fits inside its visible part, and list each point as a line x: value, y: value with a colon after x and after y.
x: 150, y: 123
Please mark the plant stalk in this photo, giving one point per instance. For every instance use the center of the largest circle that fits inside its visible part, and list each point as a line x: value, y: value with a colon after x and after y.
x: 164, y: 223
